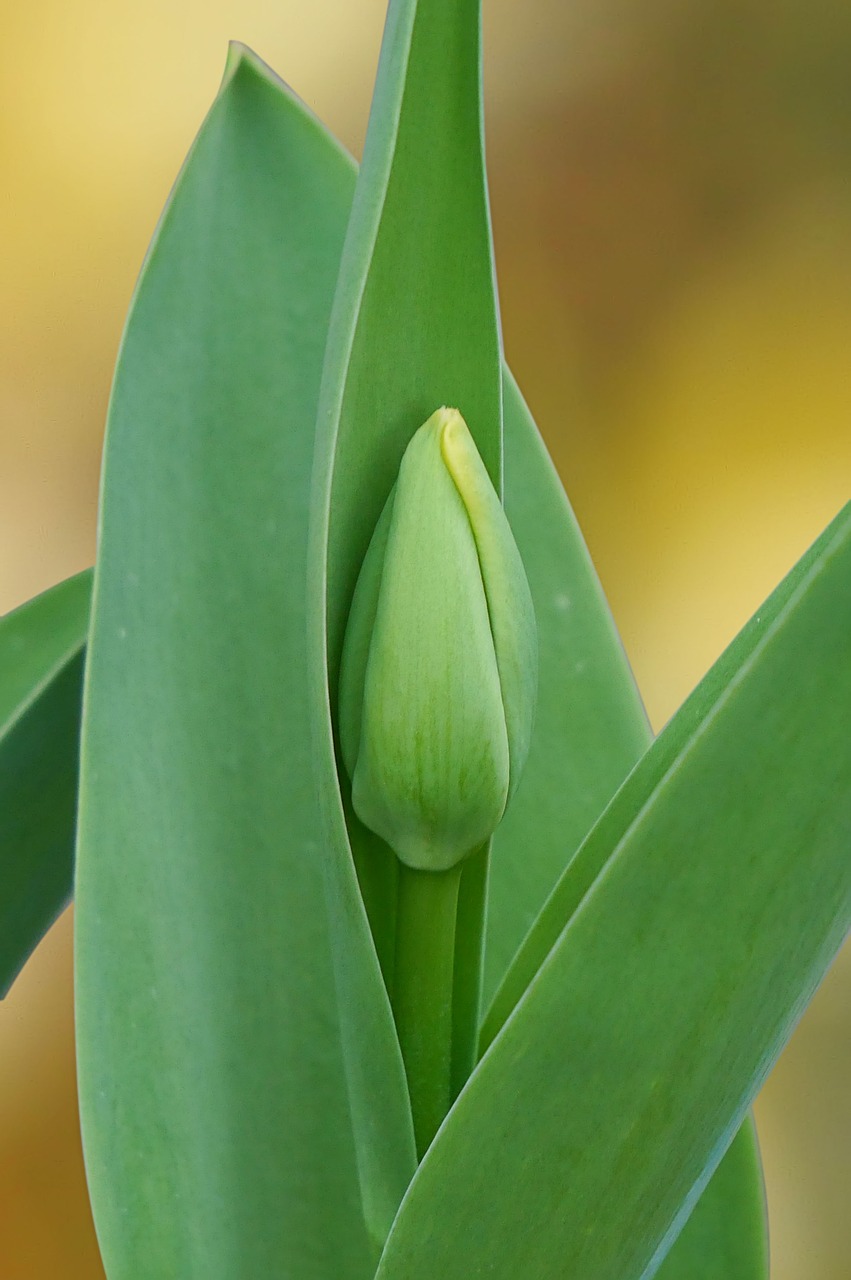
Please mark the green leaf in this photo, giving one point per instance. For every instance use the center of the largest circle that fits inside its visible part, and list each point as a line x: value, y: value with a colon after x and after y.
x: 590, y: 727
x: 213, y: 1099
x: 726, y: 1236
x: 595, y: 1119
x: 41, y: 670
x: 583, y: 870
x: 414, y: 327
x: 586, y: 740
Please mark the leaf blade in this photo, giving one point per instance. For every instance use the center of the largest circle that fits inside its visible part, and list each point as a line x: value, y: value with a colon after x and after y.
x: 726, y: 1237
x: 208, y: 1046
x: 41, y: 669
x: 585, y: 742
x: 590, y: 726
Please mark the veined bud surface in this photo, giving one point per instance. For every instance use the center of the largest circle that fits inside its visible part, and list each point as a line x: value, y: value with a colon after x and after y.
x: 440, y: 659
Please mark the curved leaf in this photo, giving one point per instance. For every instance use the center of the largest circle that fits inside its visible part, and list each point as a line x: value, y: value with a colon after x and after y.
x: 590, y: 730
x: 41, y: 672
x: 593, y: 1123
x: 213, y: 1100
x: 585, y: 869
x: 590, y: 726
x: 414, y: 327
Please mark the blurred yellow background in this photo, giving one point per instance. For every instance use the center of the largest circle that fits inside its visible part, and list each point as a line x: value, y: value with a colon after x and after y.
x: 672, y: 210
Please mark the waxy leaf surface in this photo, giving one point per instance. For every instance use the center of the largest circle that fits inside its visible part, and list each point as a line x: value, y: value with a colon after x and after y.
x: 570, y: 775
x: 590, y: 726
x: 213, y: 1099
x: 586, y: 739
x: 726, y: 1236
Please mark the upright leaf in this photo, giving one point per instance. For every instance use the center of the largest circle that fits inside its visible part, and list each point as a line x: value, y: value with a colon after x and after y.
x: 589, y: 732
x: 594, y: 1121
x: 585, y: 869
x: 414, y: 327
x: 41, y: 671
x: 215, y: 1119
x: 726, y: 1237
x: 586, y: 737
x: 590, y: 726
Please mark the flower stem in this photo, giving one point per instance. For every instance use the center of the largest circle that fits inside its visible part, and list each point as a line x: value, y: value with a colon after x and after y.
x: 427, y: 908
x: 469, y: 961
x: 377, y: 871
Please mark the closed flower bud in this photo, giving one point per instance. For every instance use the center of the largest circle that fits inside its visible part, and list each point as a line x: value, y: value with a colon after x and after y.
x: 439, y: 666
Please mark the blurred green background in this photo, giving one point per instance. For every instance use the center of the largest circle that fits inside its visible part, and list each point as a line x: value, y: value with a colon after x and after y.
x: 672, y: 210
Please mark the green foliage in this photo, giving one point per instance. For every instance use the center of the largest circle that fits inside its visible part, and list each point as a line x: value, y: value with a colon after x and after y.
x: 650, y: 919
x: 591, y: 733
x: 41, y: 671
x: 725, y: 1237
x: 212, y: 1092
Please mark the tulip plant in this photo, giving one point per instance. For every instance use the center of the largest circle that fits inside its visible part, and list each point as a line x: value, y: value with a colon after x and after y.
x: 401, y: 950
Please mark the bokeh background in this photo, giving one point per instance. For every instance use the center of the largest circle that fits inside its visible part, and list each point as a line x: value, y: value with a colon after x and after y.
x: 672, y: 210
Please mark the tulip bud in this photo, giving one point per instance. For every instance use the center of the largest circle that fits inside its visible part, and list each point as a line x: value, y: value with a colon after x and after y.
x: 439, y: 664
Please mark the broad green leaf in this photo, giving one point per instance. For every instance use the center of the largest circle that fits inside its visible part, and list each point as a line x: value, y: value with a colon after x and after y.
x: 41, y: 670
x: 586, y: 739
x: 583, y: 870
x: 590, y: 727
x: 595, y: 1119
x: 414, y: 327
x: 213, y: 1099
